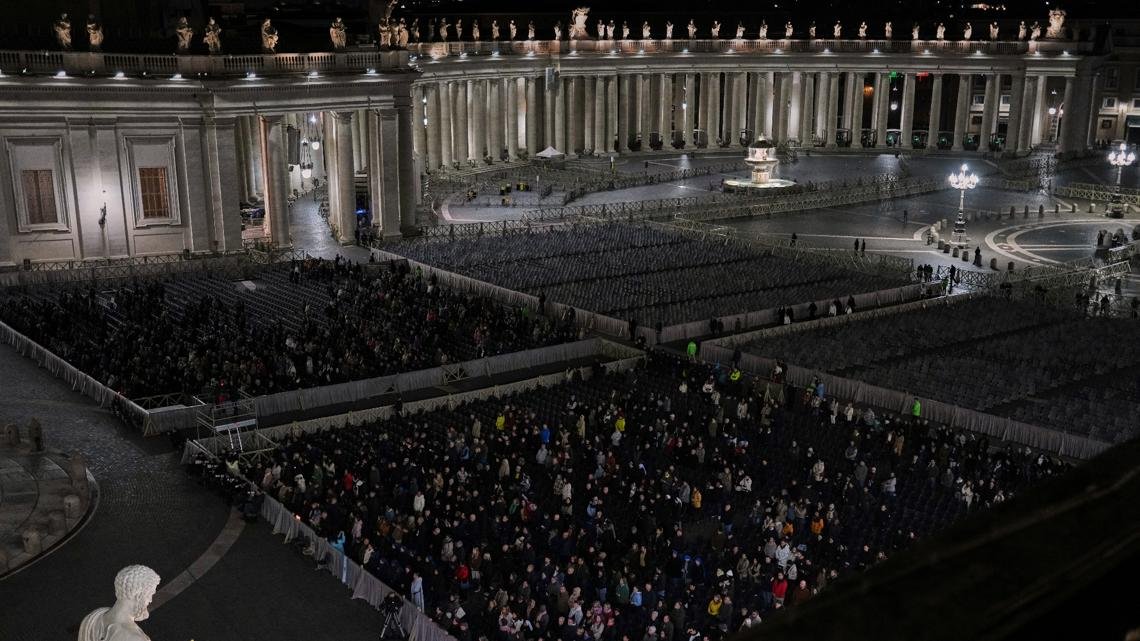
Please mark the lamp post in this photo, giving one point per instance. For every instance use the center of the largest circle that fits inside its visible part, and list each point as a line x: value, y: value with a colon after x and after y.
x: 962, y: 181
x: 1120, y: 159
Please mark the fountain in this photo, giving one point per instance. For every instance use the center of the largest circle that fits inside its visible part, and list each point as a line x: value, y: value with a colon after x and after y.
x: 761, y: 159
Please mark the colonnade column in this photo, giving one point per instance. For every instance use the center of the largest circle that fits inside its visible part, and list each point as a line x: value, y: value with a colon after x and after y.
x: 479, y: 95
x: 807, y: 111
x: 689, y: 108
x: 419, y: 113
x: 547, y: 93
x: 665, y: 110
x: 241, y: 155
x: 344, y: 210
x: 409, y: 181
x: 1013, y: 124
x: 560, y: 115
x: 882, y: 108
x: 832, y: 110
x: 731, y: 106
x: 495, y: 107
x: 461, y: 132
x: 906, y: 123
x: 989, y: 110
x: 431, y: 92
x: 1028, y: 103
x: 767, y: 104
x: 532, y: 116
x: 740, y: 99
x: 512, y: 109
x: 574, y: 108
x: 860, y: 82
x: 703, y: 108
x: 1069, y: 119
x: 611, y: 113
x: 781, y: 111
x: 962, y: 110
x: 932, y: 125
x: 587, y: 113
x: 1040, y: 114
x: 849, y: 100
x: 446, y: 147
x: 714, y: 109
x: 599, y: 145
x: 275, y: 179
x: 623, y: 113
x: 823, y: 98
x: 793, y: 100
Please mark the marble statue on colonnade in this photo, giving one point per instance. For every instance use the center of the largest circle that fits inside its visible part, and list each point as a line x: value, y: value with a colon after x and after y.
x: 558, y: 30
x: 862, y: 30
x: 914, y: 32
x: 443, y: 27
x: 811, y: 30
x: 740, y: 31
x: 624, y: 30
x: 135, y: 586
x: 888, y: 30
x: 431, y: 30
x: 578, y: 19
x: 789, y: 29
x: 415, y: 30
x: 601, y: 29
x: 338, y: 34
x: 763, y: 30
x: 646, y: 32
x: 269, y: 36
x: 385, y: 35
x: 475, y: 30
x: 940, y: 31
x: 495, y: 30
x: 459, y: 28
x: 837, y: 30
x: 1021, y: 31
x: 94, y: 33
x: 62, y: 29
x: 530, y: 30
x: 512, y: 29
x: 213, y: 37
x: 692, y: 29
x: 185, y: 34
x: 993, y: 31
x: 715, y: 31
x: 401, y: 36
x: 1056, y: 24
x: 668, y: 30
x: 968, y: 31
x: 610, y: 30
x: 1035, y: 31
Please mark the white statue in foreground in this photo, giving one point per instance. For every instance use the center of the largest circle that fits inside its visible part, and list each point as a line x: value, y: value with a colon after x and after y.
x: 135, y: 586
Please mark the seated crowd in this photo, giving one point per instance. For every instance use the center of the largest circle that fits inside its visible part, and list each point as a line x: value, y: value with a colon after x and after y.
x: 633, y: 271
x: 989, y: 354
x: 671, y: 502
x: 314, y: 322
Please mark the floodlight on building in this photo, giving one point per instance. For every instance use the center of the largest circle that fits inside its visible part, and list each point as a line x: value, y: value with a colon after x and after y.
x: 370, y: 72
x: 249, y: 75
x: 61, y: 74
x: 119, y: 75
x: 313, y: 74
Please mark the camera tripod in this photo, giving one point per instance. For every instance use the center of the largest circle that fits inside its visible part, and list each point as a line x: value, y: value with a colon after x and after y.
x: 392, y: 629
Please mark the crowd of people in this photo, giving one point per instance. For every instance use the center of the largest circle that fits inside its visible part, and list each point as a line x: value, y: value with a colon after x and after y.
x: 674, y: 501
x: 313, y: 322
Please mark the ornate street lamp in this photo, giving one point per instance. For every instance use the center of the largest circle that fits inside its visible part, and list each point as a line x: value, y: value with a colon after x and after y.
x: 962, y: 181
x: 1120, y: 159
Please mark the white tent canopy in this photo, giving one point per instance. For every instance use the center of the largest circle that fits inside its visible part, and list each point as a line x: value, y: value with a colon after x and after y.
x: 550, y: 153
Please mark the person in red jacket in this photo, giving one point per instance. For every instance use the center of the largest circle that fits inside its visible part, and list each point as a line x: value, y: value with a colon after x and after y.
x: 779, y: 588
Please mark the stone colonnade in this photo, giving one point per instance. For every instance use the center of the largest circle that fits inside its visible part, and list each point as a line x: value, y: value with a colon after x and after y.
x: 468, y: 121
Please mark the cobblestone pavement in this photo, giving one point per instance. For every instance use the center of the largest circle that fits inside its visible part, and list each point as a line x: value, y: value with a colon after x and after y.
x: 264, y: 589
x: 149, y: 511
x: 152, y: 512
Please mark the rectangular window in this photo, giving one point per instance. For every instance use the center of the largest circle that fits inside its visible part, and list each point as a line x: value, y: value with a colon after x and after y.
x: 154, y: 193
x: 979, y: 99
x: 1107, y: 123
x: 1136, y: 103
x: 1005, y: 98
x: 1111, y: 78
x: 1109, y: 103
x: 39, y: 196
